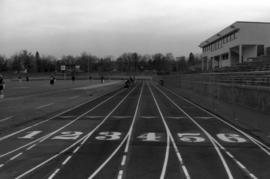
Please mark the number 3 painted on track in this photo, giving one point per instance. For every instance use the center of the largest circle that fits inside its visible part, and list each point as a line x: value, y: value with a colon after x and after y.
x: 109, y: 136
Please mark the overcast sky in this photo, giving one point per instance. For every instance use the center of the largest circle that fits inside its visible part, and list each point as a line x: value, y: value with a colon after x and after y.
x: 111, y: 27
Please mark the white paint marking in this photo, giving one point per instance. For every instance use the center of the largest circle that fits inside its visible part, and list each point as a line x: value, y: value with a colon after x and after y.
x: 73, y: 97
x: 1, y: 165
x: 120, y: 174
x: 6, y: 118
x: 54, y: 173
x: 67, y: 159
x: 76, y: 150
x: 121, y: 117
x: 12, y: 158
x: 203, y: 117
x: 176, y: 117
x: 123, y: 162
x: 32, y: 146
x: 148, y: 117
x: 44, y: 106
x: 65, y: 117
x: 93, y: 117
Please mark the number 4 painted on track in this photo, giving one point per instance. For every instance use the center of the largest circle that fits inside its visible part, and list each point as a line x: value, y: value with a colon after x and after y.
x: 150, y: 137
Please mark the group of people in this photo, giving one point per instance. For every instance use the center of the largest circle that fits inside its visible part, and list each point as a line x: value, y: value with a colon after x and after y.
x: 129, y: 82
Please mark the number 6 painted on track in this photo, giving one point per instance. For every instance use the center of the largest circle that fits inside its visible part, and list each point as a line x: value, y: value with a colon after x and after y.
x: 232, y: 138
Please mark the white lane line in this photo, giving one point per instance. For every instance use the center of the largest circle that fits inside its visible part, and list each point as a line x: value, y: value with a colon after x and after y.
x: 54, y: 173
x: 123, y: 162
x: 44, y: 106
x: 1, y: 165
x: 148, y: 117
x: 82, y: 140
x: 66, y: 117
x: 121, y: 117
x: 16, y: 156
x: 6, y: 118
x: 127, y: 137
x: 93, y: 117
x: 176, y: 117
x: 76, y: 150
x: 203, y: 117
x: 120, y: 174
x: 67, y: 159
x: 169, y: 134
x: 228, y: 171
x: 73, y: 97
x: 59, y: 129
x: 260, y: 144
x: 32, y: 146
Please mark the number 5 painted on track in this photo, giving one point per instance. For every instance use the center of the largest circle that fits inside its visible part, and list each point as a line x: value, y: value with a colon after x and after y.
x: 190, y: 137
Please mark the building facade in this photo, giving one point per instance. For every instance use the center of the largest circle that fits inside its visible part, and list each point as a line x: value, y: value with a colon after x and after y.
x: 238, y: 43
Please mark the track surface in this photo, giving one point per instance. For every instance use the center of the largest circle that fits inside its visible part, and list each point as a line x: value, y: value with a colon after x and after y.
x: 143, y: 132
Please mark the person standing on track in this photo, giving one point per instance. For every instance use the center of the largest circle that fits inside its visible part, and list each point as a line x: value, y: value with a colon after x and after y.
x: 52, y: 79
x: 2, y: 86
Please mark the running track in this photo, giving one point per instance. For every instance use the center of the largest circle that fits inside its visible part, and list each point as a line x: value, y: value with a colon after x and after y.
x: 144, y: 132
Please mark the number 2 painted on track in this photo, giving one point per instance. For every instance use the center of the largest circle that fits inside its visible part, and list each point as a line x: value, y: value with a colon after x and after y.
x: 68, y: 135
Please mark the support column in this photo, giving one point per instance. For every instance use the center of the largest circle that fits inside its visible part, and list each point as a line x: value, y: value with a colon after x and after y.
x: 240, y: 54
x: 230, y: 57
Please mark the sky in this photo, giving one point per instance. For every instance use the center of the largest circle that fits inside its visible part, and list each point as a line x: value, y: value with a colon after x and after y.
x: 112, y: 27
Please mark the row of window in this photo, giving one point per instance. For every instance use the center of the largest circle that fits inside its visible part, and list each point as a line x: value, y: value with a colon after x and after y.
x: 219, y: 43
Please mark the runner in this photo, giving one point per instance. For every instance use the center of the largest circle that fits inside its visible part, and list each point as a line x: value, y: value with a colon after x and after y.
x: 2, y: 86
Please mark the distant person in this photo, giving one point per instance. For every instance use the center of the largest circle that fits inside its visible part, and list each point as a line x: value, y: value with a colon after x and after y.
x: 27, y: 78
x: 2, y: 86
x: 52, y: 80
x: 102, y: 79
x: 73, y: 78
x: 127, y: 84
x: 161, y: 82
x: 90, y: 77
x: 20, y: 78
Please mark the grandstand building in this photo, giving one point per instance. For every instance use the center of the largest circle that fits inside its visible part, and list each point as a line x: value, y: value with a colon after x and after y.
x: 240, y: 42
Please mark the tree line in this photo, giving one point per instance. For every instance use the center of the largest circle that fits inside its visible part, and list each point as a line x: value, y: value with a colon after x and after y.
x: 127, y: 62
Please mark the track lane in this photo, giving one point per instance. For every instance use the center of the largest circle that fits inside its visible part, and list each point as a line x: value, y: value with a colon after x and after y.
x: 146, y: 157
